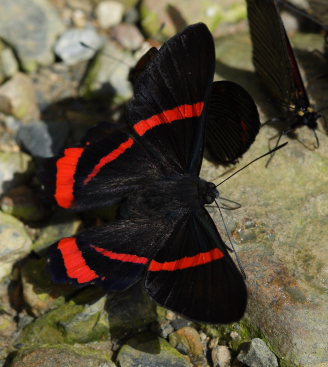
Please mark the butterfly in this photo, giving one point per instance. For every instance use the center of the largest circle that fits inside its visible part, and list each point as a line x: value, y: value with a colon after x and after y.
x: 150, y: 166
x: 276, y: 64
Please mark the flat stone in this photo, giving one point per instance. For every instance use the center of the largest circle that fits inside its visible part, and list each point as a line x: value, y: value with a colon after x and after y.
x: 18, y: 98
x: 38, y: 23
x: 70, y: 49
x: 147, y: 350
x: 15, y: 243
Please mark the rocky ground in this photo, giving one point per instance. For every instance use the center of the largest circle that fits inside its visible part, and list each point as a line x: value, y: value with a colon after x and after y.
x: 52, y: 90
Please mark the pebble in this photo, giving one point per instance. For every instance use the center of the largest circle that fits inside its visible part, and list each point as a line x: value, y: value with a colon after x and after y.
x: 109, y: 13
x: 18, y: 98
x: 15, y: 243
x: 128, y: 35
x: 221, y: 356
x: 42, y: 139
x: 15, y: 169
x: 70, y: 49
x: 30, y: 27
x: 257, y: 354
x: 8, y: 63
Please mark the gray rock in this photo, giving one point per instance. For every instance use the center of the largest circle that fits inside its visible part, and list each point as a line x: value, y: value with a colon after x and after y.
x: 15, y: 170
x: 109, y: 74
x: 64, y: 356
x: 18, y: 98
x: 61, y: 224
x: 286, y: 265
x: 70, y: 49
x: 257, y: 354
x: 15, y: 243
x: 147, y: 350
x: 42, y: 139
x: 31, y: 27
x: 109, y: 13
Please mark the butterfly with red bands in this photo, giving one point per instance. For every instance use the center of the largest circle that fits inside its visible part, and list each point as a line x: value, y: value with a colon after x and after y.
x: 151, y: 167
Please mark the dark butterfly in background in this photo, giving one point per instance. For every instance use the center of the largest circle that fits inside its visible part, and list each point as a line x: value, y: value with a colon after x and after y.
x: 275, y: 62
x: 150, y: 166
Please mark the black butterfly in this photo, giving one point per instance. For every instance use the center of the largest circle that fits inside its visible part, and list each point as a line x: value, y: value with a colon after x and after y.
x: 276, y: 64
x: 151, y: 167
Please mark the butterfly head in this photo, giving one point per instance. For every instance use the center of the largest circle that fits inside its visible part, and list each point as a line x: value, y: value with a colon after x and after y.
x: 308, y: 117
x: 207, y: 191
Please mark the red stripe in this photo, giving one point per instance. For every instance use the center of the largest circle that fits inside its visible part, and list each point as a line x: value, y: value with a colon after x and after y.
x: 75, y: 264
x: 109, y: 158
x: 187, y: 262
x: 166, y: 117
x: 66, y: 168
x: 122, y: 257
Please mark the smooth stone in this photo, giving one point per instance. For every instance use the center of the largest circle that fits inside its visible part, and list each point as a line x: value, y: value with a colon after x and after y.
x: 147, y: 350
x: 109, y: 13
x: 15, y: 169
x: 257, y: 354
x: 221, y: 356
x: 18, y: 98
x: 8, y: 63
x: 15, y: 243
x: 128, y: 35
x: 33, y: 20
x: 70, y: 49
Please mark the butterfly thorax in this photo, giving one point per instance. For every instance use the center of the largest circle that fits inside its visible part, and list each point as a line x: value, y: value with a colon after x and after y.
x: 305, y: 116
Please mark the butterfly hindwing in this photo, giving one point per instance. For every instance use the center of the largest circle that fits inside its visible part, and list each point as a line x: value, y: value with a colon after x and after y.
x: 232, y: 122
x: 194, y: 275
x: 167, y: 110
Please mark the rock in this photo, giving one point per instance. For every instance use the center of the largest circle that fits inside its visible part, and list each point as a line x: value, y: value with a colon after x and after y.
x: 287, y: 202
x: 39, y: 290
x: 61, y: 224
x: 148, y: 350
x: 22, y: 203
x: 42, y: 139
x: 130, y: 311
x: 109, y: 13
x: 15, y: 169
x: 70, y: 49
x: 15, y: 243
x: 221, y: 356
x: 38, y: 23
x: 187, y: 341
x: 128, y: 35
x: 69, y: 323
x: 257, y: 354
x: 8, y: 63
x: 177, y: 16
x: 108, y: 76
x: 64, y: 356
x: 18, y: 98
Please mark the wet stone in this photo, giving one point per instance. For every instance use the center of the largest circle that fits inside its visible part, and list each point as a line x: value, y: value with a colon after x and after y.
x: 70, y: 49
x: 38, y: 23
x: 257, y: 354
x: 147, y: 350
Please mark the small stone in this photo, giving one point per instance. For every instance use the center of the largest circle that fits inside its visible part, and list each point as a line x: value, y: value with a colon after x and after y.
x: 163, y: 329
x: 18, y: 98
x: 187, y: 341
x: 15, y: 243
x: 170, y: 315
x: 213, y: 343
x: 257, y: 354
x: 33, y: 37
x: 8, y: 63
x: 42, y: 139
x: 221, y: 356
x: 148, y: 350
x: 21, y: 202
x: 128, y: 35
x: 15, y: 169
x: 79, y: 18
x: 109, y: 13
x: 70, y: 49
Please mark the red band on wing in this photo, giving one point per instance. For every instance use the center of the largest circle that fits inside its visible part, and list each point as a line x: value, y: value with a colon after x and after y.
x: 166, y: 117
x: 109, y: 158
x: 66, y: 168
x: 187, y: 262
x: 75, y: 265
x: 122, y: 257
x: 244, y: 132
